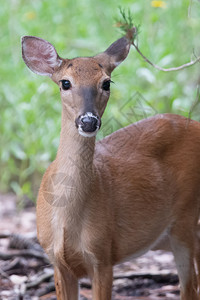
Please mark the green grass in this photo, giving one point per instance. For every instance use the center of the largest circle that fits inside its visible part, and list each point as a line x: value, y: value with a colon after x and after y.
x: 30, y: 104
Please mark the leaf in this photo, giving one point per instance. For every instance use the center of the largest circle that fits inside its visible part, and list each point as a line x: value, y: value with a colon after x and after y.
x: 146, y: 74
x: 18, y: 152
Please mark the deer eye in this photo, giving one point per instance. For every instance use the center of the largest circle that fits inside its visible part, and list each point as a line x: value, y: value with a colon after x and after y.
x: 106, y: 85
x: 66, y: 84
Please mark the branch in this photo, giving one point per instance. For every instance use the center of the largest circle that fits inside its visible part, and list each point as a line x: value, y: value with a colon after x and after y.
x: 131, y: 31
x: 4, y: 274
x: 24, y: 253
x: 18, y: 241
x: 44, y: 277
x: 195, y: 103
x: 46, y: 290
x: 5, y: 235
x: 162, y: 276
x: 193, y: 62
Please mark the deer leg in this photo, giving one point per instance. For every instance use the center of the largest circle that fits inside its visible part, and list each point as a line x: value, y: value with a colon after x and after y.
x: 184, y: 254
x: 66, y: 285
x: 102, y: 283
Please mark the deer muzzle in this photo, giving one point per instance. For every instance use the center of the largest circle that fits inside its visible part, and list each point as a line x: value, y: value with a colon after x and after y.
x: 88, y: 124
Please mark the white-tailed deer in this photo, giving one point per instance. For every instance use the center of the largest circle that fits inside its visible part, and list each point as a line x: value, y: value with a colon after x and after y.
x: 135, y: 190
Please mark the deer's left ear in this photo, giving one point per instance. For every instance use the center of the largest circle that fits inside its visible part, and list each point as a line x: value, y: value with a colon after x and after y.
x: 115, y: 54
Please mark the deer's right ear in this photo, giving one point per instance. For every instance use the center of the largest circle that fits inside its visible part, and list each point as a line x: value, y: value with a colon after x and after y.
x: 40, y: 56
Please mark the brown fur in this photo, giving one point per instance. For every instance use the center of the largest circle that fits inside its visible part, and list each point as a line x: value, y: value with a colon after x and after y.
x: 137, y: 189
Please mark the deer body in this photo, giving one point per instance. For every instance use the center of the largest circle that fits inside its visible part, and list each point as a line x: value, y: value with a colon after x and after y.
x: 137, y: 189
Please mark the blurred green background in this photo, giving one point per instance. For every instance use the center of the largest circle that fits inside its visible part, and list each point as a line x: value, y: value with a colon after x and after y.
x: 30, y: 104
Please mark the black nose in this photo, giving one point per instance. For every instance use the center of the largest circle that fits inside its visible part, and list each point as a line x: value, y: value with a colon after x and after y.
x: 89, y: 123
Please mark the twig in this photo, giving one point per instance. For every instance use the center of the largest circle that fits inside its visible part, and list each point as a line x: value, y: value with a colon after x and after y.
x: 4, y: 274
x: 18, y: 241
x: 24, y: 253
x: 46, y: 290
x: 85, y: 283
x: 44, y: 277
x: 30, y: 235
x: 5, y: 235
x: 126, y: 25
x: 194, y: 104
x: 193, y: 62
x: 13, y: 265
x: 22, y: 242
x: 157, y: 276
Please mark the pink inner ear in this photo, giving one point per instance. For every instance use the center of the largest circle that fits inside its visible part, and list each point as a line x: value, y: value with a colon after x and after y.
x: 40, y: 56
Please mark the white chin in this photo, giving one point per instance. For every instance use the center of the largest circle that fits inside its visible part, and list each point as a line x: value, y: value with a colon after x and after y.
x: 87, y: 134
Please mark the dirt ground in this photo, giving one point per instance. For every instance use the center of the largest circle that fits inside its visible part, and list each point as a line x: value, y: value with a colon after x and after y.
x: 25, y: 274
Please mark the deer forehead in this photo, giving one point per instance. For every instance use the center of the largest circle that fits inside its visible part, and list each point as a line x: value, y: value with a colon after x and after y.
x: 82, y: 70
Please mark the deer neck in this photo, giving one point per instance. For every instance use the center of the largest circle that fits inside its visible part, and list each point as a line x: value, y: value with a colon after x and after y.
x: 74, y: 160
x: 73, y: 180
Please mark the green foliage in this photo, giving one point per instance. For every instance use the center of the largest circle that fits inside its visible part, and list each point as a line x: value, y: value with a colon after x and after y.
x: 127, y: 19
x: 30, y: 105
x: 125, y: 23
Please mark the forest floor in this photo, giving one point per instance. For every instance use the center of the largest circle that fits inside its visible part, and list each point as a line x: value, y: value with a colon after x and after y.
x: 25, y: 272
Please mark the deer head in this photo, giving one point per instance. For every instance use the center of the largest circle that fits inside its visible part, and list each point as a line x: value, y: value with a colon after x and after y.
x: 84, y: 81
